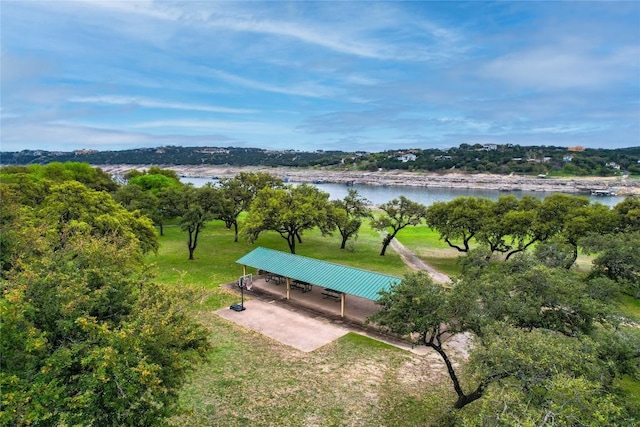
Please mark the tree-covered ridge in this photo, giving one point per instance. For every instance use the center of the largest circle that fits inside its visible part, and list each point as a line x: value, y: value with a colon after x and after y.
x: 487, y: 158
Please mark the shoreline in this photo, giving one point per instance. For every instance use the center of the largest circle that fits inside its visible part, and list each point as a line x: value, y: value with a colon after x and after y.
x: 621, y: 185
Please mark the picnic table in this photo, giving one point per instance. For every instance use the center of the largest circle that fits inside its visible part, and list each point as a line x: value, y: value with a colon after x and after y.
x: 277, y: 279
x: 331, y: 293
x: 303, y: 286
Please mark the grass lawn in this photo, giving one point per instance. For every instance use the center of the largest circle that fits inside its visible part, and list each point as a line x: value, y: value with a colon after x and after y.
x: 426, y: 244
x: 630, y: 307
x: 250, y: 379
x: 216, y: 254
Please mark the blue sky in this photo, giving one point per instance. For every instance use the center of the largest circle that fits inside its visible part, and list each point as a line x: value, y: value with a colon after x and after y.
x: 330, y: 75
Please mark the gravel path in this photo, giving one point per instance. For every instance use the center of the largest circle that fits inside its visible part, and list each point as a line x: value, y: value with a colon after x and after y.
x: 415, y: 263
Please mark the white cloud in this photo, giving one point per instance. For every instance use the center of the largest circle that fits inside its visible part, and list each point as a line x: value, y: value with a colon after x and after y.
x: 308, y: 89
x: 150, y: 103
x: 563, y: 67
x: 197, y: 126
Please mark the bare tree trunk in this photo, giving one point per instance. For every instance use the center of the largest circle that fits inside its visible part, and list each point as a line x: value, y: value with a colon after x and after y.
x: 344, y: 241
x: 193, y: 240
x: 190, y: 245
x: 385, y: 243
x: 291, y: 240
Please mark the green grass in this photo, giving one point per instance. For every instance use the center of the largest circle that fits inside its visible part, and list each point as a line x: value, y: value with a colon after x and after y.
x: 250, y: 379
x: 630, y: 307
x: 216, y: 254
x: 428, y: 246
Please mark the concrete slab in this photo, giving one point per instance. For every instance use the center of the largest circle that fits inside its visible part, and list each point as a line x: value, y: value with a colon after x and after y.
x: 291, y: 328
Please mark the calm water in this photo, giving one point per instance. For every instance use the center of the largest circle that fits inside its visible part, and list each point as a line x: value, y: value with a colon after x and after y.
x: 379, y: 194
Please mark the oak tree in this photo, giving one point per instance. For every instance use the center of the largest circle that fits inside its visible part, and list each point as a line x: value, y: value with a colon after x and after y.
x: 347, y: 215
x: 398, y: 214
x: 289, y: 211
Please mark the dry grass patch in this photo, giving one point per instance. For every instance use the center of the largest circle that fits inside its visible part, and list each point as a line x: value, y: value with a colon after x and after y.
x: 354, y: 381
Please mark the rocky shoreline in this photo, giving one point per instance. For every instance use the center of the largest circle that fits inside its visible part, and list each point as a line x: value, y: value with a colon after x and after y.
x: 620, y: 185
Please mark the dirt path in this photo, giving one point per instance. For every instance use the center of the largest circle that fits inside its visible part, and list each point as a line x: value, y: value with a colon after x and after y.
x: 415, y: 263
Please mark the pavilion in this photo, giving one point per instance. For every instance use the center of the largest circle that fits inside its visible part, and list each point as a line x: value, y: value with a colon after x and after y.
x: 336, y: 280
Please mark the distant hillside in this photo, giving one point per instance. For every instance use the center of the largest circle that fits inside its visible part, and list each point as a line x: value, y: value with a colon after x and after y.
x: 487, y: 158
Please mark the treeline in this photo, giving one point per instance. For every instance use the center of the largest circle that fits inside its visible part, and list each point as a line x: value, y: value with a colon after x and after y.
x: 496, y: 159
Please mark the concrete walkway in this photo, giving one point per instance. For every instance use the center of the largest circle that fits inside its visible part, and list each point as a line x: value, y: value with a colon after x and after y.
x: 286, y: 326
x: 307, y: 321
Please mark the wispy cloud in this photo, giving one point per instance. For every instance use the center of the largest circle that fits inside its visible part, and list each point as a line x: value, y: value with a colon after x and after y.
x: 356, y: 75
x: 308, y: 89
x: 555, y: 67
x: 150, y: 103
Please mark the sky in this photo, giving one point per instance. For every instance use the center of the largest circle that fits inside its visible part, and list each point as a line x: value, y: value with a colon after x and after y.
x: 330, y: 75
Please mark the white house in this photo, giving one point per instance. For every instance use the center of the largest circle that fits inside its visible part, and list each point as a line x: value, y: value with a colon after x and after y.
x: 407, y: 158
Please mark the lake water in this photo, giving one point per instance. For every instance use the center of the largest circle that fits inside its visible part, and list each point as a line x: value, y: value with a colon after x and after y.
x: 378, y: 195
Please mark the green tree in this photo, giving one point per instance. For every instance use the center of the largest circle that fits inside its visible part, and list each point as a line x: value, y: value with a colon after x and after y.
x: 289, y: 211
x: 239, y: 192
x: 398, y: 214
x: 170, y: 205
x: 153, y: 183
x: 533, y: 327
x: 135, y: 198
x: 459, y: 219
x: 617, y: 258
x: 629, y: 213
x: 88, y: 339
x: 72, y: 208
x: 594, y: 218
x: 94, y: 178
x: 194, y: 215
x: 347, y: 215
x: 496, y: 231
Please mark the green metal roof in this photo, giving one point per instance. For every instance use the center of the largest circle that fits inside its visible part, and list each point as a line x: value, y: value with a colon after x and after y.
x: 350, y: 280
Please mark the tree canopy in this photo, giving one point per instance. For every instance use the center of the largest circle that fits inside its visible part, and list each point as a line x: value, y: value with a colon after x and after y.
x: 538, y: 331
x: 289, y: 211
x: 87, y: 337
x: 398, y: 214
x: 347, y: 215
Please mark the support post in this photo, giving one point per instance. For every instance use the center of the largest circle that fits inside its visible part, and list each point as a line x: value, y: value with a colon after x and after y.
x: 288, y: 288
x: 343, y: 298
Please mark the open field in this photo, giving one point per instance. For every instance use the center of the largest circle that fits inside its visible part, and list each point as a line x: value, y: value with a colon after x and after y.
x: 253, y: 380
x: 250, y: 379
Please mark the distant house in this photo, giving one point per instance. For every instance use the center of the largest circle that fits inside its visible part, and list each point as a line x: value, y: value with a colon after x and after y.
x: 84, y: 151
x: 490, y: 147
x: 613, y: 165
x: 407, y: 158
x: 576, y: 148
x: 213, y: 150
x: 568, y: 158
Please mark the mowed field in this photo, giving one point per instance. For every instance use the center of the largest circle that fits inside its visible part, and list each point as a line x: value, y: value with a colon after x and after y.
x: 250, y: 379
